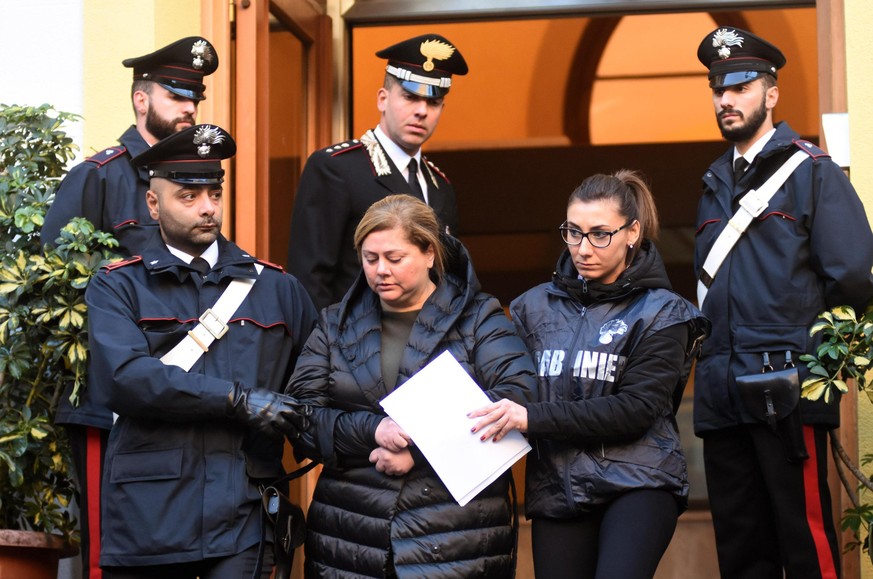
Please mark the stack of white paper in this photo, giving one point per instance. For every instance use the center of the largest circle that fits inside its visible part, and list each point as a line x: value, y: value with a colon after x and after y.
x: 432, y: 408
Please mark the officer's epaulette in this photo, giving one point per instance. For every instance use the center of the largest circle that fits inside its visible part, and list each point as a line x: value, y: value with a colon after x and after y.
x: 810, y: 149
x: 118, y: 264
x: 107, y: 155
x: 270, y: 264
x: 437, y: 170
x: 340, y: 148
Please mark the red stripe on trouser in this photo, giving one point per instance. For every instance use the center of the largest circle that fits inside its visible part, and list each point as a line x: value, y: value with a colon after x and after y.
x: 813, y: 498
x: 93, y: 467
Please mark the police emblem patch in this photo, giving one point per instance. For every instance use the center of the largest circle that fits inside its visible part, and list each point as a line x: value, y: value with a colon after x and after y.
x: 610, y: 329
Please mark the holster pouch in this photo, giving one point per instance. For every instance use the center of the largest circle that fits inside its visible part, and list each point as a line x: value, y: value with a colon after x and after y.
x: 773, y: 398
x: 289, y: 528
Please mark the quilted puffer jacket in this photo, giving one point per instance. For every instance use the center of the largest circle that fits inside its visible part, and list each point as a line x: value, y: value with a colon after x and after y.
x: 363, y: 523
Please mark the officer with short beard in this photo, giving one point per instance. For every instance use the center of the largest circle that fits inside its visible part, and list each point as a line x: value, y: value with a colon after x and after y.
x: 767, y: 484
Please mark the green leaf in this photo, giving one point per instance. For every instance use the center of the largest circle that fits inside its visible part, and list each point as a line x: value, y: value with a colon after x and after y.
x: 819, y: 326
x: 844, y: 313
x: 813, y: 389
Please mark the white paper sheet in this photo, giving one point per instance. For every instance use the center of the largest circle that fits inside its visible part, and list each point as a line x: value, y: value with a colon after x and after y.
x: 432, y: 408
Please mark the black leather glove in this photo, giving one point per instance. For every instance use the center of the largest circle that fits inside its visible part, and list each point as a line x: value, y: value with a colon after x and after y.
x: 267, y: 412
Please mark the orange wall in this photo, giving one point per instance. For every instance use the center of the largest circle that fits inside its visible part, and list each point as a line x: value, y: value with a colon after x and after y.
x: 515, y: 90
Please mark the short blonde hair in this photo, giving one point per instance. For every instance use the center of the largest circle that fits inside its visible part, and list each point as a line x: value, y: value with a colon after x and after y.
x: 409, y: 214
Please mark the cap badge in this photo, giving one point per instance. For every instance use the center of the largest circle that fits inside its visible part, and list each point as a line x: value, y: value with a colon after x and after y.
x: 435, y: 50
x: 723, y: 39
x: 205, y: 137
x: 202, y: 52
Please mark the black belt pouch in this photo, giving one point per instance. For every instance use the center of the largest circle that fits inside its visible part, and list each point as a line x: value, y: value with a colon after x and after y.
x: 773, y: 398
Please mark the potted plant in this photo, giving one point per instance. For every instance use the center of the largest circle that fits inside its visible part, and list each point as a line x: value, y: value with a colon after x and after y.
x: 43, y: 334
x: 844, y: 355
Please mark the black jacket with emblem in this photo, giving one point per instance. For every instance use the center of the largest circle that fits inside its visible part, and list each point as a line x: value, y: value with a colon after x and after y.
x: 612, y: 362
x: 361, y: 520
x: 810, y: 250
x: 108, y: 190
x: 337, y: 187
x: 180, y: 480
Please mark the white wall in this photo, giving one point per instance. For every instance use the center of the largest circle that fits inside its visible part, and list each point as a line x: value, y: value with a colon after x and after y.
x: 41, y: 56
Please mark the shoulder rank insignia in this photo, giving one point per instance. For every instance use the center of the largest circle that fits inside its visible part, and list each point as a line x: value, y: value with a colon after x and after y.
x: 343, y: 147
x: 810, y: 149
x: 377, y: 155
x: 107, y: 155
x: 271, y: 265
x: 119, y: 264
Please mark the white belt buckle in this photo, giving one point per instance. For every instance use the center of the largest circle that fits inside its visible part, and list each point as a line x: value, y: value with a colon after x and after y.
x: 753, y: 203
x: 213, y: 324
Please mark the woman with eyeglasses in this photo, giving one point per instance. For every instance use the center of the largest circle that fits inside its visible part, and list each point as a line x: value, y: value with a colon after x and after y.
x: 613, y: 344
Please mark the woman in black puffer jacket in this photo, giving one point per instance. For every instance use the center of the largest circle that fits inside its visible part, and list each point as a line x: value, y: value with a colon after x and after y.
x: 379, y: 509
x: 607, y: 479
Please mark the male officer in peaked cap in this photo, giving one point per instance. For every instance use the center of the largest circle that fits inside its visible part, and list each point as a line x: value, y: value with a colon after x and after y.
x: 191, y: 344
x: 178, y: 67
x: 340, y: 182
x: 767, y: 485
x: 167, y: 87
x: 109, y: 191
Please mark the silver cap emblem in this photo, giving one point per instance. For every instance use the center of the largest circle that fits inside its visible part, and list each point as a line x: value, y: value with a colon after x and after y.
x: 723, y: 39
x: 202, y: 52
x: 205, y: 137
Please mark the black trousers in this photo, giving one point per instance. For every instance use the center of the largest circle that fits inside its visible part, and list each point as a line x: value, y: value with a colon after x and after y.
x: 769, y: 514
x: 624, y: 538
x: 239, y: 566
x: 89, y: 450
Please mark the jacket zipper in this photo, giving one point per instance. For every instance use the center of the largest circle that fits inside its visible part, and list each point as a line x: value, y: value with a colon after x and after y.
x: 567, y: 390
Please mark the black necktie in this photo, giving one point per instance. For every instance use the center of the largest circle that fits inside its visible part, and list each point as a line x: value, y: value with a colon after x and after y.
x: 739, y: 168
x: 414, y: 185
x: 201, y: 265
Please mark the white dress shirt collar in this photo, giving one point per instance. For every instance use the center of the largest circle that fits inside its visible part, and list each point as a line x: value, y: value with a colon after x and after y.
x: 210, y: 254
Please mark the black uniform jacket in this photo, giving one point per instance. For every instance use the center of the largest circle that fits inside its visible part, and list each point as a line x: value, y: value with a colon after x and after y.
x: 360, y: 519
x: 337, y: 187
x: 110, y: 192
x: 180, y: 479
x: 810, y: 250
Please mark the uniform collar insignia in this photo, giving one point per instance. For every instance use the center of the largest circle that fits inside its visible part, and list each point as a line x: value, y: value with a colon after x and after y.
x: 429, y: 167
x: 202, y: 52
x: 435, y: 50
x: 723, y: 39
x: 377, y: 155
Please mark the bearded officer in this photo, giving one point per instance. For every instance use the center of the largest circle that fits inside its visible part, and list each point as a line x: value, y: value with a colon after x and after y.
x: 768, y: 486
x: 191, y: 342
x: 111, y: 193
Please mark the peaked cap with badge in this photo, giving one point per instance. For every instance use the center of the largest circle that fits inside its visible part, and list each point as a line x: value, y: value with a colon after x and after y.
x: 734, y: 56
x: 178, y: 67
x: 192, y: 155
x: 424, y: 64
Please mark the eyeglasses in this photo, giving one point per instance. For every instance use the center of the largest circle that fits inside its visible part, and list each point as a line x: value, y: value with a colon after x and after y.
x: 598, y: 239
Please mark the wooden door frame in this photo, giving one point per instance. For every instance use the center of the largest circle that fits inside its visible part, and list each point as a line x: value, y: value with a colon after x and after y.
x: 240, y: 99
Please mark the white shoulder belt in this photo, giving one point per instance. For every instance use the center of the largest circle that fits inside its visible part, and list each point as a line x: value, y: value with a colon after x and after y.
x: 212, y: 326
x: 752, y: 204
